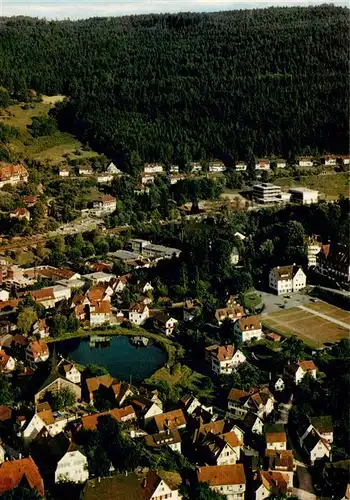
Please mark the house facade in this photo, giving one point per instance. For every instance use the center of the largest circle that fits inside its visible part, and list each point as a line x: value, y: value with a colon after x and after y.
x: 37, y: 352
x: 138, y: 313
x: 72, y: 373
x: 287, y: 279
x: 297, y: 371
x: 166, y: 324
x: 224, y: 359
x: 305, y: 161
x: 12, y: 174
x: 228, y: 480
x: 248, y: 328
x: 233, y: 312
x: 333, y: 261
x: 72, y: 468
x: 276, y: 441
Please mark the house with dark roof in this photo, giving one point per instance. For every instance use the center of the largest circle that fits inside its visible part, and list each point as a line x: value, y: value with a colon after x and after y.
x: 333, y: 261
x: 228, y: 480
x: 315, y: 446
x: 295, y: 372
x: 145, y: 408
x: 164, y: 322
x: 109, y: 387
x: 323, y: 425
x: 220, y: 449
x: 170, y: 438
x: 138, y: 313
x: 287, y: 279
x: 191, y: 309
x: 258, y: 400
x: 280, y: 461
x: 54, y: 383
x: 270, y: 483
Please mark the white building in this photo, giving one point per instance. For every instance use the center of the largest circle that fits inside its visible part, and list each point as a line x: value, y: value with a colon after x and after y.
x: 297, y: 371
x: 45, y: 419
x: 316, y: 447
x: 241, y: 166
x: 234, y: 256
x: 262, y: 164
x: 313, y: 248
x: 228, y: 480
x: 265, y: 192
x: 276, y: 440
x: 287, y: 279
x: 4, y: 295
x: 73, y: 467
x: 166, y: 324
x: 63, y: 171
x: 305, y: 161
x: 99, y: 277
x: 153, y: 168
x: 329, y: 160
x: 217, y: 166
x: 7, y: 363
x: 105, y: 204
x: 37, y: 352
x: 112, y: 169
x: 248, y: 328
x: 12, y: 174
x: 159, y: 485
x: 104, y: 178
x: 280, y: 163
x: 224, y: 359
x: 138, y: 313
x: 72, y: 373
x: 303, y: 195
x: 344, y: 160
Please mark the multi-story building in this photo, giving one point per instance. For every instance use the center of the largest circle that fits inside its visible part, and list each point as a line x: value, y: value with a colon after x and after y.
x: 287, y: 279
x: 303, y: 195
x: 313, y: 248
x: 228, y: 480
x: 305, y: 161
x: 262, y: 164
x: 265, y: 192
x: 224, y: 359
x: 333, y: 261
x: 241, y: 166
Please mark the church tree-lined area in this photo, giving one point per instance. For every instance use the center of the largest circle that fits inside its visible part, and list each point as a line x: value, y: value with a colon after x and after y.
x: 190, y: 86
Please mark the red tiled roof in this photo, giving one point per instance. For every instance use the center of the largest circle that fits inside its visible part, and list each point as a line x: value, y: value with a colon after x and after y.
x: 3, y: 359
x: 38, y: 347
x: 276, y: 437
x: 119, y: 414
x: 307, y: 365
x: 249, y: 323
x: 171, y: 420
x: 19, y: 212
x: 221, y: 353
x: 29, y: 199
x: 13, y: 472
x: 44, y: 294
x: 8, y: 171
x: 5, y: 413
x: 219, y: 475
x: 100, y: 307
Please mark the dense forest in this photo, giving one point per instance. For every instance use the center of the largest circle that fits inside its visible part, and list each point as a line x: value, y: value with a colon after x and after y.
x: 190, y: 86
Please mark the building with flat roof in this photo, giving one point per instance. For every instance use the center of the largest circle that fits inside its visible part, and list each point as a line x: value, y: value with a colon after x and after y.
x: 303, y: 195
x: 265, y: 192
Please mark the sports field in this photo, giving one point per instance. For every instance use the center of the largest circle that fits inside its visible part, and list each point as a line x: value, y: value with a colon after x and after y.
x: 314, y: 330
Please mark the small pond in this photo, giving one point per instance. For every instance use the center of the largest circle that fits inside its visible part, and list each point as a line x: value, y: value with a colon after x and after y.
x: 122, y: 359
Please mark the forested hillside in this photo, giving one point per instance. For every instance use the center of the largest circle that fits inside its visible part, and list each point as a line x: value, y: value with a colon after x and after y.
x: 188, y: 86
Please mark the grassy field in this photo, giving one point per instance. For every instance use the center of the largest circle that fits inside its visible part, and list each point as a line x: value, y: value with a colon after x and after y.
x: 48, y: 148
x: 329, y: 186
x: 251, y: 300
x: 313, y: 330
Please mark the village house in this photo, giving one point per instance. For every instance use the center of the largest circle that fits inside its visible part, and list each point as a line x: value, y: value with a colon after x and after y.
x: 100, y: 313
x: 153, y: 168
x: 85, y: 170
x: 191, y: 309
x: 234, y: 312
x: 322, y: 425
x: 45, y: 297
x: 147, y: 178
x: 259, y: 401
x: 248, y: 328
x: 138, y: 313
x: 7, y: 363
x: 295, y: 372
x: 315, y: 446
x: 73, y: 466
x: 333, y: 261
x: 228, y: 480
x: 45, y: 419
x: 37, y: 352
x: 224, y: 359
x: 329, y: 160
x: 287, y: 279
x: 234, y: 258
x: 41, y: 329
x: 105, y: 204
x: 305, y: 161
x: 126, y: 414
x: 70, y: 371
x: 170, y: 438
x: 195, y: 167
x: 145, y: 408
x: 112, y: 169
x: 313, y: 248
x: 29, y: 201
x: 344, y: 159
x: 277, y: 383
x: 63, y: 171
x: 280, y: 163
x: 262, y: 164
x: 13, y: 473
x: 165, y: 323
x: 174, y: 169
x: 98, y: 278
x: 241, y: 166
x: 217, y: 166
x: 171, y: 420
x: 270, y: 483
x: 120, y: 283
x: 191, y: 403
x: 281, y: 461
x: 20, y: 213
x: 104, y: 178
x: 107, y: 385
x: 251, y: 423
x: 274, y: 337
x: 276, y: 440
x: 12, y: 174
x: 220, y: 449
x: 158, y: 485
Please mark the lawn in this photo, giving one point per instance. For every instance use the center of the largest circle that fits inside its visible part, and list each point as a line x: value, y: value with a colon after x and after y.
x: 251, y: 300
x: 48, y: 148
x: 329, y: 186
x: 313, y: 330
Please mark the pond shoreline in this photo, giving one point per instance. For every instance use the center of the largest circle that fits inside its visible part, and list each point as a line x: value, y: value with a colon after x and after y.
x: 164, y: 342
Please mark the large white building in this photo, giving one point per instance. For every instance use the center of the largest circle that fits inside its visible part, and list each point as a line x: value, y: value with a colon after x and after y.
x: 224, y: 359
x: 73, y: 467
x: 287, y: 279
x: 248, y: 328
x: 303, y: 195
x: 313, y: 248
x: 265, y: 192
x: 228, y: 480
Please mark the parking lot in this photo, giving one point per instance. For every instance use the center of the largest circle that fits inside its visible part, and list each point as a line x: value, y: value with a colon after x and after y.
x: 274, y: 303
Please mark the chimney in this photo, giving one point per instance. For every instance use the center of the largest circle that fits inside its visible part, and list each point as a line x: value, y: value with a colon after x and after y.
x: 144, y: 482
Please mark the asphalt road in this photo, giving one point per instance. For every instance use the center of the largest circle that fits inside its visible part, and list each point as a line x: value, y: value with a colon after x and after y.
x: 274, y: 302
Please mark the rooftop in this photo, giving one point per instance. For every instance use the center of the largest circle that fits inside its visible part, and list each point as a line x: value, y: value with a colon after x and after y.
x: 220, y: 475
